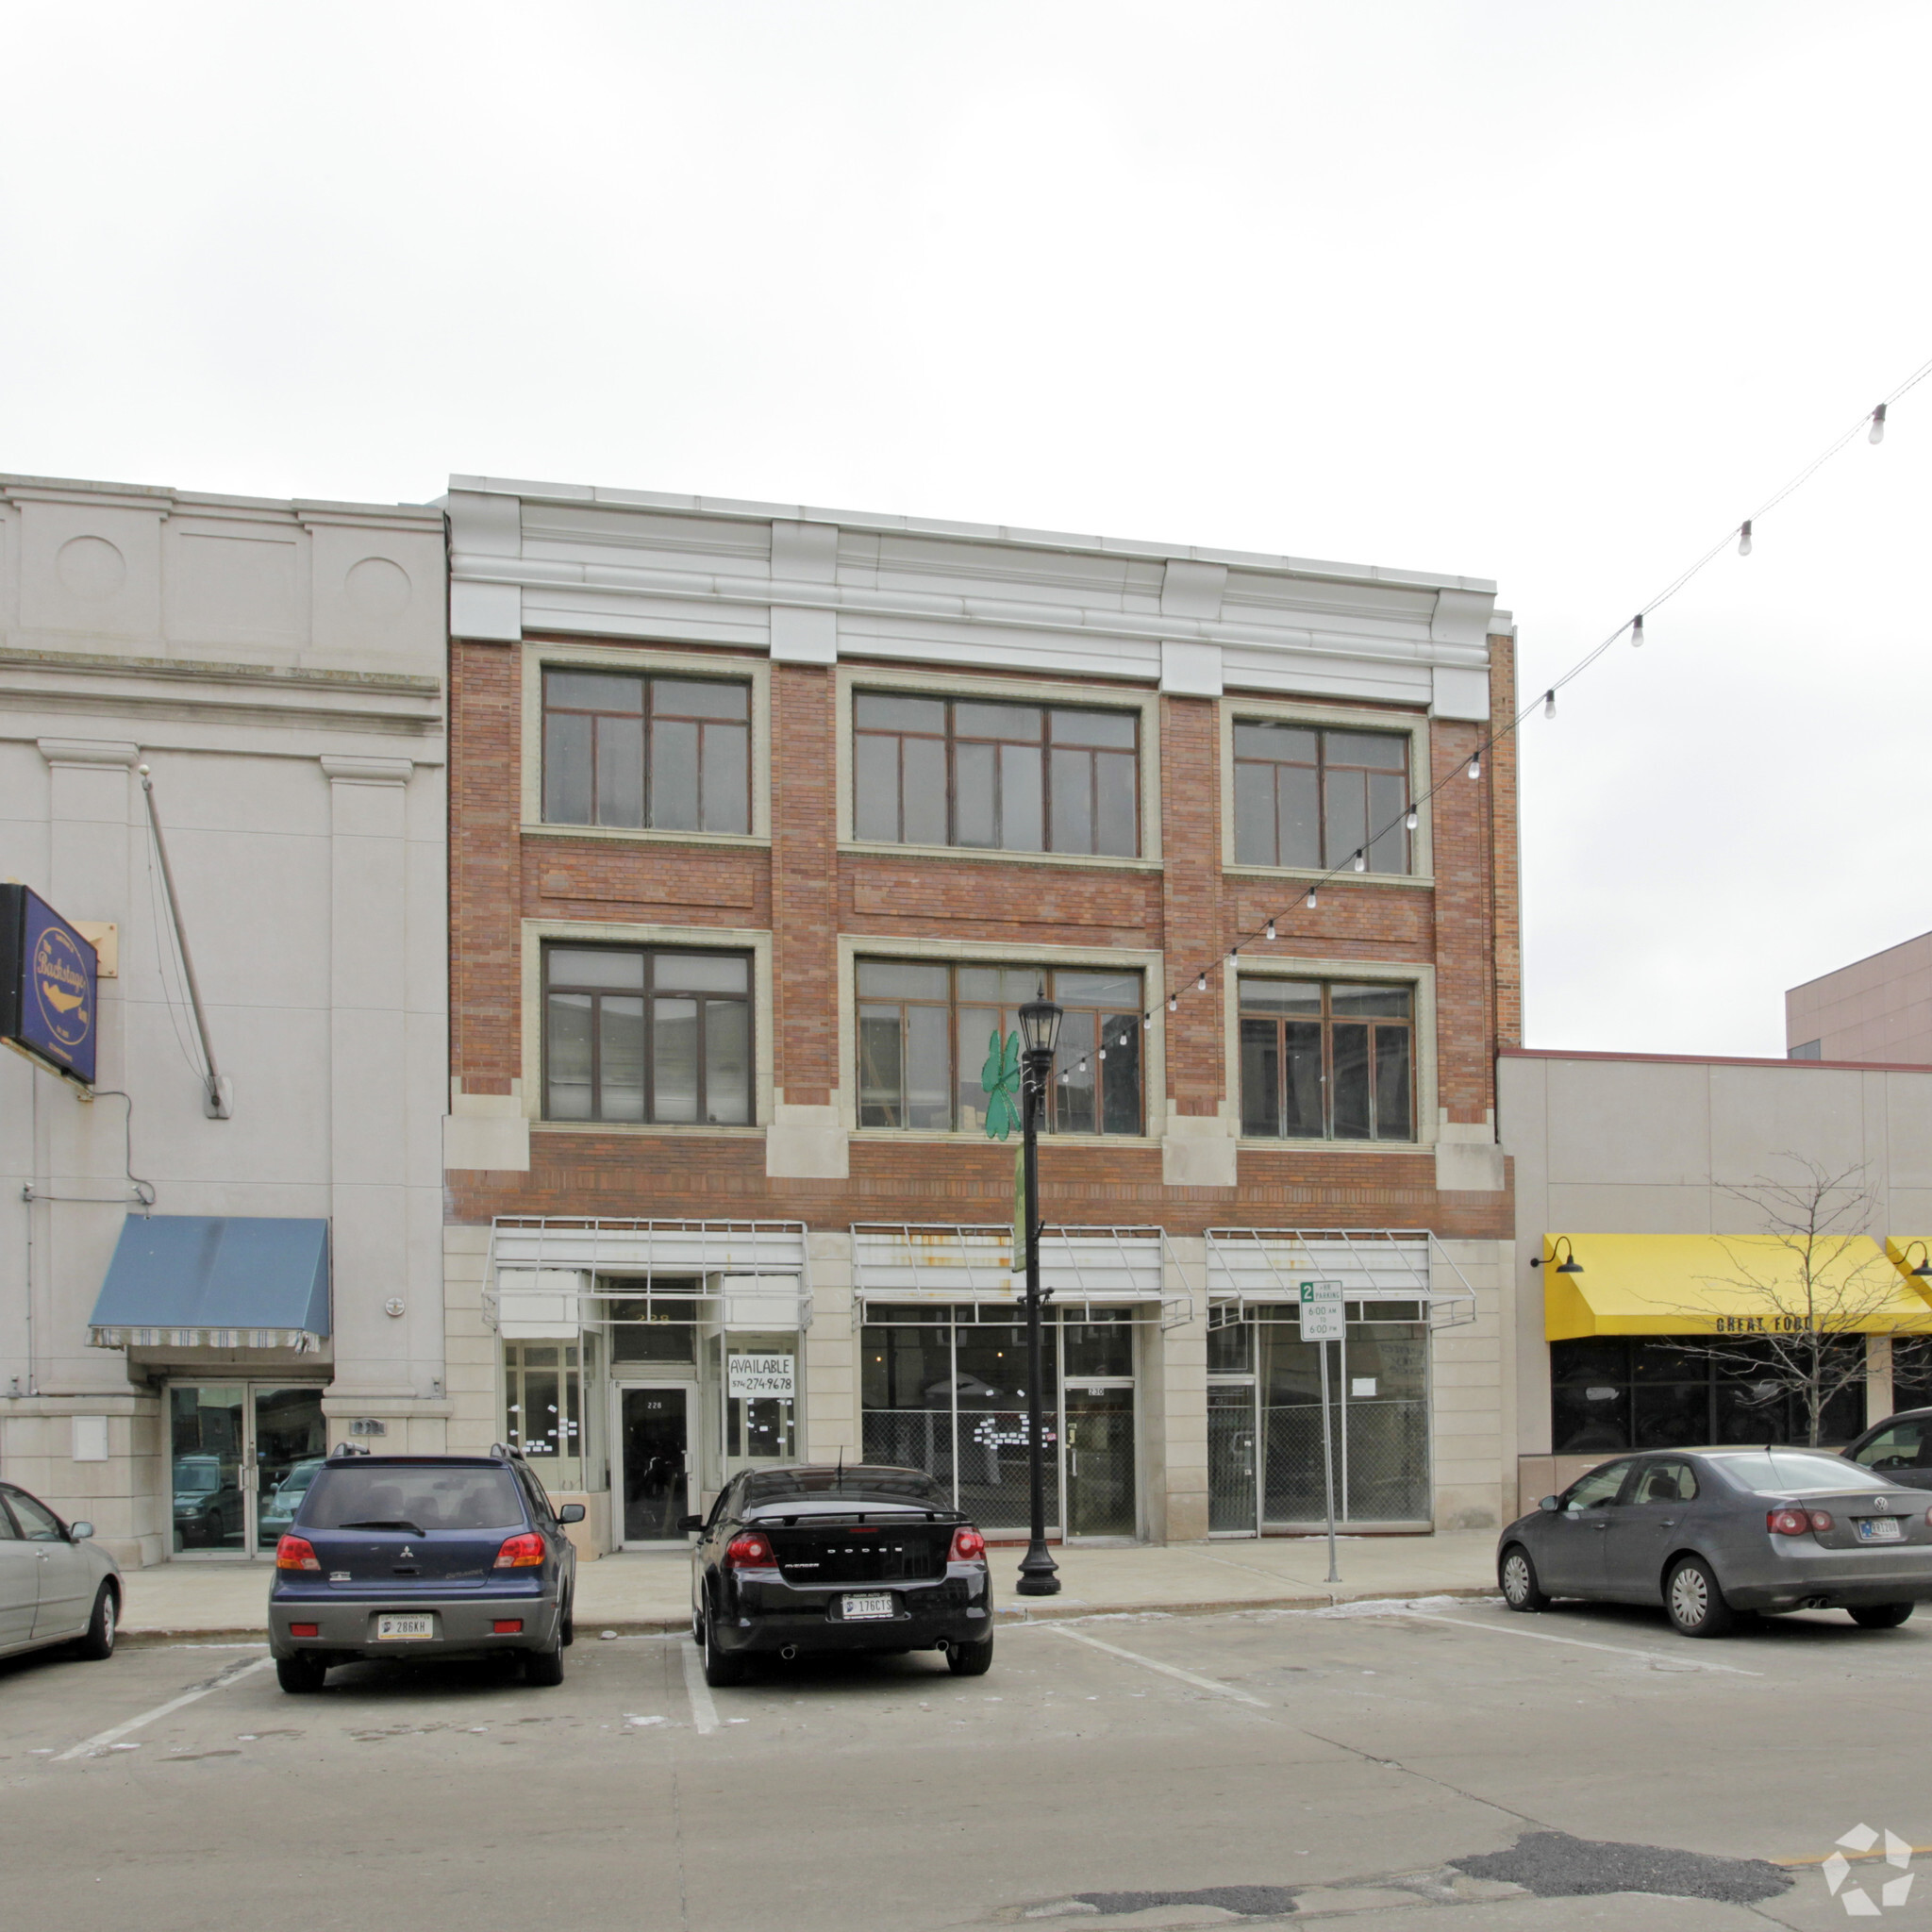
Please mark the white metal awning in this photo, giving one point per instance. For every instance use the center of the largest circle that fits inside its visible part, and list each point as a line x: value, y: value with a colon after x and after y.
x: 549, y: 1277
x: 913, y: 1263
x: 1247, y: 1266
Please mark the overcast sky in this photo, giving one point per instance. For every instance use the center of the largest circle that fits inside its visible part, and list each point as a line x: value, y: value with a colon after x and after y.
x: 1546, y: 292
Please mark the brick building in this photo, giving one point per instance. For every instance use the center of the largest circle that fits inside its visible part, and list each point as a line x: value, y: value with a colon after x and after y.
x: 763, y: 821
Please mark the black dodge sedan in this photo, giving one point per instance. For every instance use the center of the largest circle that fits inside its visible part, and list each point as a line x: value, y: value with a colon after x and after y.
x: 816, y: 1559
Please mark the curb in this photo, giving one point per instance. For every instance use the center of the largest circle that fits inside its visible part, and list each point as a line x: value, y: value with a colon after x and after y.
x: 137, y: 1637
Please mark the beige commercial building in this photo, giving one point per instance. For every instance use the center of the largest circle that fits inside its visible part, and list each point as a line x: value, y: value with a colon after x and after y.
x: 231, y: 1253
x: 1876, y: 1008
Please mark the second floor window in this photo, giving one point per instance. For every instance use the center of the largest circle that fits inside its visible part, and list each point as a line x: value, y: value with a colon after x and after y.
x: 1013, y: 778
x: 636, y: 1034
x: 662, y: 754
x: 1326, y: 1061
x: 924, y: 1031
x: 1312, y: 798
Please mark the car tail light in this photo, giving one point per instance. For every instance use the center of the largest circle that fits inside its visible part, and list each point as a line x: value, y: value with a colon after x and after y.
x: 305, y: 1630
x: 519, y: 1552
x: 1787, y: 1522
x: 749, y: 1552
x: 507, y: 1626
x: 969, y: 1546
x: 1820, y: 1518
x: 296, y: 1552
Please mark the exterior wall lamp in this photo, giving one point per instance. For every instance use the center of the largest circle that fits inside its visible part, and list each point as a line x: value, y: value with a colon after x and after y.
x: 1569, y: 1264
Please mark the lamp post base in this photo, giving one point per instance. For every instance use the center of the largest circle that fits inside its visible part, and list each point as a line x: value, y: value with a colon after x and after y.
x: 1038, y: 1573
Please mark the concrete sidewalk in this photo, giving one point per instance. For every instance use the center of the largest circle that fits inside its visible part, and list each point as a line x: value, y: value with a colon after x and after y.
x: 633, y: 1593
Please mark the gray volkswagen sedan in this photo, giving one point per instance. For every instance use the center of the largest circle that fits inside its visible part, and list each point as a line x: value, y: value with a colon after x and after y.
x: 1713, y: 1533
x: 57, y: 1584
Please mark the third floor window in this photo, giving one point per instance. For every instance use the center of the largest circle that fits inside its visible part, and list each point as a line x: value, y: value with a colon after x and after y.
x: 1312, y: 798
x: 662, y: 754
x: 1013, y: 777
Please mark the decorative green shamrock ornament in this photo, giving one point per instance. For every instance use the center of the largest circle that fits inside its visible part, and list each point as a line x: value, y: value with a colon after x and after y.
x: 1000, y: 1081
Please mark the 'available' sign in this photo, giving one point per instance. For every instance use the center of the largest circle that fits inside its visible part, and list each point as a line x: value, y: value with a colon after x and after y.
x: 753, y: 1377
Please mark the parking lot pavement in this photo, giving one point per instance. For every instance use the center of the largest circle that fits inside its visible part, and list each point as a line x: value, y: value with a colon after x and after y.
x: 1254, y: 1768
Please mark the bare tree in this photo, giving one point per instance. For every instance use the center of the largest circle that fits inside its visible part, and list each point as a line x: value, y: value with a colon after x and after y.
x: 1815, y: 1287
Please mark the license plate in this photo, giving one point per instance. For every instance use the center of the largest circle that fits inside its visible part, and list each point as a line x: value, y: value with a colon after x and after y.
x: 1880, y: 1530
x: 403, y: 1628
x: 857, y: 1609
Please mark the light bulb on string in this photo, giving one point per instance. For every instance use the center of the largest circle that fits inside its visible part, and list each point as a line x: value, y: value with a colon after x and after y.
x: 1271, y: 929
x: 1408, y: 819
x: 1877, y: 433
x: 1146, y: 1021
x: 1103, y: 1053
x: 1636, y: 632
x: 1360, y: 860
x: 1311, y: 898
x: 1201, y: 984
x: 1744, y: 538
x: 1173, y: 1003
x: 1550, y: 703
x: 1475, y: 766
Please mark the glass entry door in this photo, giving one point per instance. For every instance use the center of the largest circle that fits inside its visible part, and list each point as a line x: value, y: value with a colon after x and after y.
x: 654, y: 1459
x: 241, y: 1454
x: 1100, y: 1459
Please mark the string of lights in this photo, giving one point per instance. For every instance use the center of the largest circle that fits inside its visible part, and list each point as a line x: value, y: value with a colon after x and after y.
x: 1873, y: 423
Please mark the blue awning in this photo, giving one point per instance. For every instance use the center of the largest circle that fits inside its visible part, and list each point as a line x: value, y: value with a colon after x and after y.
x: 215, y: 1281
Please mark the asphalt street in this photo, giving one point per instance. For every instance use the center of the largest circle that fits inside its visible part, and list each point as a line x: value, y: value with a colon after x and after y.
x: 1434, y: 1764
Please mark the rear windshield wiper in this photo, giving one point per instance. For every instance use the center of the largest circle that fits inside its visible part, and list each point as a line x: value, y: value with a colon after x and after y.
x: 386, y: 1522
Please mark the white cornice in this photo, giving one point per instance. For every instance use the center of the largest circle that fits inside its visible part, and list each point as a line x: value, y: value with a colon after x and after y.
x: 592, y: 497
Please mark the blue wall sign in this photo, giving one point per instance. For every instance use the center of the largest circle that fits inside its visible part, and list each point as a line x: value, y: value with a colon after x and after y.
x: 49, y: 986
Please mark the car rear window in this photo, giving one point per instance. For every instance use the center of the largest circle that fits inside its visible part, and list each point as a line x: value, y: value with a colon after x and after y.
x: 1793, y: 1472
x: 854, y: 1485
x: 423, y: 1498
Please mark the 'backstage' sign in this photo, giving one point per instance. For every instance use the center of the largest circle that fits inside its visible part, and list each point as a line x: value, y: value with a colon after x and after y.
x: 49, y: 986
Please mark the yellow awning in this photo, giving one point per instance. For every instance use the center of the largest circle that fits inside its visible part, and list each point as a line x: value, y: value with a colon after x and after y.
x: 1696, y: 1284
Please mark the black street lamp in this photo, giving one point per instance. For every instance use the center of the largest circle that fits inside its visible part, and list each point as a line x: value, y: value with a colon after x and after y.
x: 1040, y: 1032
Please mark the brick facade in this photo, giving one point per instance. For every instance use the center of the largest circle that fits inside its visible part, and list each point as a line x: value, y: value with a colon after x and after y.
x: 806, y: 892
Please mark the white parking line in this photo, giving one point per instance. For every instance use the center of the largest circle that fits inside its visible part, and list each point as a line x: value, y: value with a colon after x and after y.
x: 1134, y: 1656
x: 704, y: 1713
x: 1688, y: 1663
x: 101, y: 1740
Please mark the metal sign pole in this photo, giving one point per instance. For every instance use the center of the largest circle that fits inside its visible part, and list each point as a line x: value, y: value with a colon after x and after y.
x: 1328, y: 1464
x: 1324, y: 1319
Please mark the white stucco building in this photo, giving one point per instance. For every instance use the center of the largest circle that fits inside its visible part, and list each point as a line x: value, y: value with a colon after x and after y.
x: 278, y: 668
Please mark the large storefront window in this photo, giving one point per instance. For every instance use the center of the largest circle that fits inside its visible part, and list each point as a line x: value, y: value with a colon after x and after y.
x: 1264, y: 1419
x: 1612, y: 1392
x: 1326, y: 1061
x: 547, y: 1416
x: 944, y: 1392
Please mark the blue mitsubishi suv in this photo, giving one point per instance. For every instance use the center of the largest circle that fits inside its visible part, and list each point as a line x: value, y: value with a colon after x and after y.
x: 423, y: 1556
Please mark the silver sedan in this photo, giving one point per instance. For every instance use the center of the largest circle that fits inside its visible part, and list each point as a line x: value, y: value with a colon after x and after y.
x: 57, y: 1584
x: 1712, y: 1533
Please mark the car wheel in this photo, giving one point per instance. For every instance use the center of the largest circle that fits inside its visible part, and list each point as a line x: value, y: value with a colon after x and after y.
x: 567, y: 1628
x: 98, y: 1642
x: 697, y: 1627
x: 970, y: 1660
x: 300, y: 1673
x: 1696, y: 1604
x: 1517, y: 1574
x: 1881, y: 1616
x: 720, y: 1669
x: 543, y: 1668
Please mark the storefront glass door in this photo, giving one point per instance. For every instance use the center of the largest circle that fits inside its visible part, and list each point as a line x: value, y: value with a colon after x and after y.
x: 654, y: 1460
x: 1264, y: 1421
x: 239, y: 1455
x: 1100, y: 1460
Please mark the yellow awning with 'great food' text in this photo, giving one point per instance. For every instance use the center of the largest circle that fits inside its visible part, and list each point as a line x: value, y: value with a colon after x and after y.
x: 1699, y: 1284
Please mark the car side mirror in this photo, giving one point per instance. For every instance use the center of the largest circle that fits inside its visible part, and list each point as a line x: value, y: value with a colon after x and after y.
x: 79, y: 1532
x: 686, y: 1524
x: 1550, y: 1503
x: 571, y: 1512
